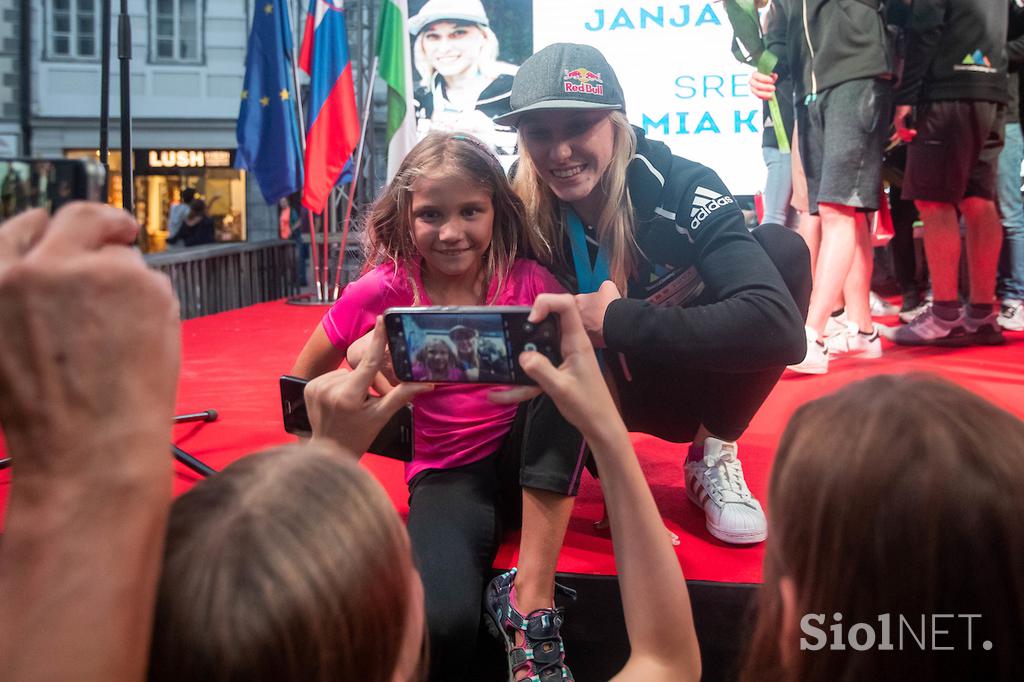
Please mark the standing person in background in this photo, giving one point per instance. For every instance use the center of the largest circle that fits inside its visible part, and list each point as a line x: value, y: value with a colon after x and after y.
x: 955, y: 76
x: 779, y: 186
x: 197, y: 228
x: 1010, y: 283
x: 840, y: 59
x: 178, y: 212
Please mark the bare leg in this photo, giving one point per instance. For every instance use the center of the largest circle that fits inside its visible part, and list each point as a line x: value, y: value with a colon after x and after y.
x: 984, y: 238
x: 838, y: 240
x: 942, y: 247
x: 857, y: 288
x: 809, y: 227
x: 545, y: 519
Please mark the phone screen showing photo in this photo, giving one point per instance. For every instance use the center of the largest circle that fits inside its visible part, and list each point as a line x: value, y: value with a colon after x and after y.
x: 448, y: 347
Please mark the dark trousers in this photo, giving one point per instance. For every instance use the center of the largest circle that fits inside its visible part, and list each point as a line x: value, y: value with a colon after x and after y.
x: 457, y: 518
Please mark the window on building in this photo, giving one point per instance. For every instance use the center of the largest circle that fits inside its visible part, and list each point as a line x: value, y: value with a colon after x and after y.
x: 74, y: 29
x: 175, y: 30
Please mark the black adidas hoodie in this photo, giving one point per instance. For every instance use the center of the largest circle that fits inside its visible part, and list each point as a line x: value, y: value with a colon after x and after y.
x: 827, y: 42
x: 956, y: 50
x: 706, y: 295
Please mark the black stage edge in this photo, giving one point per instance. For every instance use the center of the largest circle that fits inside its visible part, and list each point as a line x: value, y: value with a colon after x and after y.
x: 595, y: 630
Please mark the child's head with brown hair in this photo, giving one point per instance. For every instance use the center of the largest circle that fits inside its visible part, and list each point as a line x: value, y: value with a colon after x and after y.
x: 899, y: 495
x: 469, y: 184
x: 290, y: 564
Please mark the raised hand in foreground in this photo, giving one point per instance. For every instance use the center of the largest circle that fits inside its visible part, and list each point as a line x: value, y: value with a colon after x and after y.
x: 340, y: 406
x: 89, y: 351
x: 659, y: 620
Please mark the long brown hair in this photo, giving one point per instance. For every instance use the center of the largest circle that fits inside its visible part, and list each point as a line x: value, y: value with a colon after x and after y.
x: 388, y: 235
x: 901, y: 495
x: 289, y: 564
x: 615, y: 226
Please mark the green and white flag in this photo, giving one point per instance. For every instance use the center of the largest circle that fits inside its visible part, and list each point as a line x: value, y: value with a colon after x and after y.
x: 395, y: 67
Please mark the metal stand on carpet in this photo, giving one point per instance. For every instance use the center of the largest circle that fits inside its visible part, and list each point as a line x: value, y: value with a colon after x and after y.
x: 188, y: 460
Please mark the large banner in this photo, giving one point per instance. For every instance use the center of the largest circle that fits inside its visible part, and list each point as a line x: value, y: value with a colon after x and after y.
x: 682, y: 84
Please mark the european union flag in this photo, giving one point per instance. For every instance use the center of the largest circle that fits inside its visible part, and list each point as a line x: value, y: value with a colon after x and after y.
x: 268, y: 132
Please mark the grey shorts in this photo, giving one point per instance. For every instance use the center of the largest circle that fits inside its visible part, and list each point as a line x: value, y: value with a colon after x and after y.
x: 956, y: 152
x: 842, y: 136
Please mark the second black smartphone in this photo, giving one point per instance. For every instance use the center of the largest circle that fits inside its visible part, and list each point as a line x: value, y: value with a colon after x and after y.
x: 467, y: 344
x: 395, y: 440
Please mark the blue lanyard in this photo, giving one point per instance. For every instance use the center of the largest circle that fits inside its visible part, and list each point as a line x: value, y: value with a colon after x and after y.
x: 588, y: 278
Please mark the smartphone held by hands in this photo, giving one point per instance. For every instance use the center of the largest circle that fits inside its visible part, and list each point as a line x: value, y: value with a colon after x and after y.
x: 467, y: 344
x: 48, y: 183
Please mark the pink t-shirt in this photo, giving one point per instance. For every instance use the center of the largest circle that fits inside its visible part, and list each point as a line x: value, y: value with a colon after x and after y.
x: 454, y: 425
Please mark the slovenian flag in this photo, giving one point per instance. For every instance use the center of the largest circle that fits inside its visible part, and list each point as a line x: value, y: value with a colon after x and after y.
x: 332, y: 132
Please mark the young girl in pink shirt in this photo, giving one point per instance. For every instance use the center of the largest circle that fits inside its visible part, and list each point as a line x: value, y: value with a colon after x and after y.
x: 448, y: 230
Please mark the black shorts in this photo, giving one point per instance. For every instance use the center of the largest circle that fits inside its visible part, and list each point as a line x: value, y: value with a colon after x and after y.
x: 842, y: 135
x: 956, y: 152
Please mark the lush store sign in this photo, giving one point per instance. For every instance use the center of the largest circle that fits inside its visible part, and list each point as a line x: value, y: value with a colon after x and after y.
x: 156, y: 161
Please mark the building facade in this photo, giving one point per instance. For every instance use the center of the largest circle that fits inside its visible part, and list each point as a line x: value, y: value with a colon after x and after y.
x: 187, y: 65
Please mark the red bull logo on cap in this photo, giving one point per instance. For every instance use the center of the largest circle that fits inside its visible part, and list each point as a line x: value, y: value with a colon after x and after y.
x: 587, y: 82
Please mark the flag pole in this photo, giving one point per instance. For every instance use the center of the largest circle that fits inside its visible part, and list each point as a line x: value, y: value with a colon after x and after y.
x: 302, y: 151
x: 355, y: 175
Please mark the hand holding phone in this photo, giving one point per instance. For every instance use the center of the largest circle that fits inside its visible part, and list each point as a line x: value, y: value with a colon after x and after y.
x: 340, y: 409
x: 467, y: 344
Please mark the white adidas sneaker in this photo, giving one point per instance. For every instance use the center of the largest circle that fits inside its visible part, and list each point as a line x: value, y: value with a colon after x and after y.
x: 716, y: 484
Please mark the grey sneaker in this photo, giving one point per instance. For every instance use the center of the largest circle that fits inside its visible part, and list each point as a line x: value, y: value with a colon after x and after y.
x: 1011, y: 316
x: 928, y: 330
x: 985, y: 331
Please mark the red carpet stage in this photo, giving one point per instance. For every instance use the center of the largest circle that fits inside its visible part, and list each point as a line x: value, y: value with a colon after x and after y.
x: 232, y: 361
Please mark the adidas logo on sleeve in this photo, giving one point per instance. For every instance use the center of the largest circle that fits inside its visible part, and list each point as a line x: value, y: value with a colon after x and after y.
x: 705, y: 202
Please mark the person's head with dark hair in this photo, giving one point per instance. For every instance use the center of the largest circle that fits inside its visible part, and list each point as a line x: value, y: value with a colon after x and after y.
x: 290, y: 564
x: 197, y: 207
x: 187, y: 195
x: 896, y: 495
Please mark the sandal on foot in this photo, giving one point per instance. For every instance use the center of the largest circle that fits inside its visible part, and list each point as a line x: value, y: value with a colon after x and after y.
x: 542, y: 653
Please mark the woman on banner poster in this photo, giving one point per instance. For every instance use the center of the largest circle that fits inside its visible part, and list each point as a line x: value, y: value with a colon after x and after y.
x: 462, y: 84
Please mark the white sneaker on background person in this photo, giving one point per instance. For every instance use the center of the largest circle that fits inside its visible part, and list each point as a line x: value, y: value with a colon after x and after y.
x: 715, y: 483
x: 836, y: 324
x: 816, y: 359
x: 880, y: 307
x: 852, y: 343
x: 1011, y: 315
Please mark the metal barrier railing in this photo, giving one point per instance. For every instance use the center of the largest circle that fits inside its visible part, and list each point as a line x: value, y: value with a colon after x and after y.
x: 218, y: 277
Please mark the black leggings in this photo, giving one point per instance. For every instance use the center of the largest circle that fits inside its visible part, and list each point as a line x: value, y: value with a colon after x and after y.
x: 457, y: 518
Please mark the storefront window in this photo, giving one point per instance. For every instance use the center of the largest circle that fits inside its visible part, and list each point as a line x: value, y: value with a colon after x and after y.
x: 161, y: 175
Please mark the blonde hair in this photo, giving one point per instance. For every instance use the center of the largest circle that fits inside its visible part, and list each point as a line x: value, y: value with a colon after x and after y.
x: 487, y: 61
x: 388, y: 233
x: 615, y: 227
x: 290, y: 564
